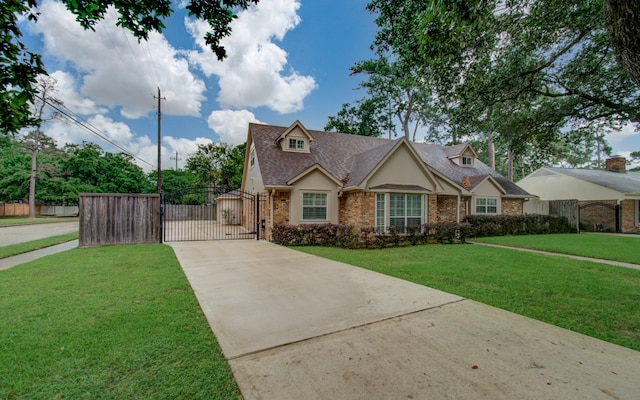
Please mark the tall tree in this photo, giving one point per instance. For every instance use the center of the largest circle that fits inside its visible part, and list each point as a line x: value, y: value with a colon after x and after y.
x: 218, y: 164
x: 20, y: 67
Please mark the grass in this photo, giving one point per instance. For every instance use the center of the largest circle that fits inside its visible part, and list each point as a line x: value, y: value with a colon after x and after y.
x: 598, y: 300
x: 608, y: 247
x: 19, y: 248
x: 114, y: 322
x: 24, y: 220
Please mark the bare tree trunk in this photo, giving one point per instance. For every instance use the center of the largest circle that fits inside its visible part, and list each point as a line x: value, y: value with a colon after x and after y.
x: 510, y: 165
x: 415, y: 131
x: 32, y: 178
x: 492, y: 151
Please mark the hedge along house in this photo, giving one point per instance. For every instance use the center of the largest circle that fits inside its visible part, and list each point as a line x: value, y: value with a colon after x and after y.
x: 327, y: 177
x: 608, y: 199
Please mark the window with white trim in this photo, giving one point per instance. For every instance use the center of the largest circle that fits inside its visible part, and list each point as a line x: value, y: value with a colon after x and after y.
x: 399, y: 210
x: 296, y: 144
x: 467, y: 161
x: 252, y: 158
x: 486, y: 205
x: 314, y: 206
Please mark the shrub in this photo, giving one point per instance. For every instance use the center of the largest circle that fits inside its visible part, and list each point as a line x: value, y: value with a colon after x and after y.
x: 500, y: 225
x: 368, y: 237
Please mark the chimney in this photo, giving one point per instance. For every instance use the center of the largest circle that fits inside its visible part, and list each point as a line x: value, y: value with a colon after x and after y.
x: 466, y: 182
x: 616, y: 164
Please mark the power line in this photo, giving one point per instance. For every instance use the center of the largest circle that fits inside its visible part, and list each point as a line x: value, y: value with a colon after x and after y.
x: 82, y: 123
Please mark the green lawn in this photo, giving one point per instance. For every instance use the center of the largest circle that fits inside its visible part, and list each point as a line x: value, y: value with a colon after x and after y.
x: 598, y: 300
x: 608, y: 247
x: 19, y: 248
x: 23, y: 220
x: 115, y: 322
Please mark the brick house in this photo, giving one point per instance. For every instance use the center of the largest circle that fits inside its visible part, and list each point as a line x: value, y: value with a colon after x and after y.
x: 608, y: 199
x: 316, y: 177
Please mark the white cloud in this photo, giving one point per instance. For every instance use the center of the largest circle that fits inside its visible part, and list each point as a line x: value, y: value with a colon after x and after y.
x: 67, y: 93
x: 622, y: 134
x: 253, y: 74
x: 230, y: 125
x: 115, y: 69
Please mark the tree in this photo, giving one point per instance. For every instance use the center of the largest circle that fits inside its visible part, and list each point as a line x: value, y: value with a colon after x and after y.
x: 366, y: 118
x: 19, y: 67
x: 545, y: 67
x: 172, y: 180
x: 218, y: 164
x: 622, y: 20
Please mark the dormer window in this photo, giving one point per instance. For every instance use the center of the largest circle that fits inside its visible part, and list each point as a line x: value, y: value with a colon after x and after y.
x: 467, y: 161
x: 296, y: 144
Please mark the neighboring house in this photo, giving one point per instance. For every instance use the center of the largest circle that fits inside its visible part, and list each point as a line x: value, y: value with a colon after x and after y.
x: 608, y: 198
x: 327, y: 177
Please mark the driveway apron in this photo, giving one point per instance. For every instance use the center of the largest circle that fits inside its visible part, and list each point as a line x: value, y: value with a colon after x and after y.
x: 296, y: 326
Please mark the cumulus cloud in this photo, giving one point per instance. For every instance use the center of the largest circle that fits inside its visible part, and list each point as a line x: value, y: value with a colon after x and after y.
x: 231, y: 125
x: 622, y: 134
x: 255, y: 71
x: 115, y: 69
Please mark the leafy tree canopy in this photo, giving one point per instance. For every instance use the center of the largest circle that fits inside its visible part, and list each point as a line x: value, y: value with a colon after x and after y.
x: 218, y: 164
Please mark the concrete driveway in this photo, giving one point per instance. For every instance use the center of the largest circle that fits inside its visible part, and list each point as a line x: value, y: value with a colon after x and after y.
x: 25, y: 233
x: 296, y: 326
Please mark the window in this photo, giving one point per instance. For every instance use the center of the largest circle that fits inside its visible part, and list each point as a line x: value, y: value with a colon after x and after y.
x: 296, y: 144
x: 486, y: 206
x: 468, y: 161
x: 253, y: 157
x: 402, y: 209
x: 314, y: 206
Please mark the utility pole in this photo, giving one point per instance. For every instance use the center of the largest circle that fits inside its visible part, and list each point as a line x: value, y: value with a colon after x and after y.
x: 176, y: 158
x: 160, y: 98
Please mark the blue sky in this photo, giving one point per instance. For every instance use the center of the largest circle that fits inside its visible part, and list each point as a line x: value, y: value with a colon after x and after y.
x: 287, y: 60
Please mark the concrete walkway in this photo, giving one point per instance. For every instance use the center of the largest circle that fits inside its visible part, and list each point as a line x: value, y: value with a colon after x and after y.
x: 296, y: 326
x: 549, y: 253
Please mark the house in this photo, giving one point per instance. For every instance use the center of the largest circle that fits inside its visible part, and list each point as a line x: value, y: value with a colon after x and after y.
x: 310, y: 176
x: 608, y: 198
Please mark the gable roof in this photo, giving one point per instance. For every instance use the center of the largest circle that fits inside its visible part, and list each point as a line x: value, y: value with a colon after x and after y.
x: 351, y: 158
x: 623, y: 182
x: 296, y: 124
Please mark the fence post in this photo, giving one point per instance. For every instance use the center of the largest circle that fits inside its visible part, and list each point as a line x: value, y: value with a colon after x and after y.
x: 256, y: 200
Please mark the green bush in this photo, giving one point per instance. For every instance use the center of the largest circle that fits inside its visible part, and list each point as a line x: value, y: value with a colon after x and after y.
x: 530, y: 224
x: 368, y: 237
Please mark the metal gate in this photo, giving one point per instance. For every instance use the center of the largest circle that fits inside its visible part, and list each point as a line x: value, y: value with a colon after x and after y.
x: 210, y: 213
x: 599, y: 216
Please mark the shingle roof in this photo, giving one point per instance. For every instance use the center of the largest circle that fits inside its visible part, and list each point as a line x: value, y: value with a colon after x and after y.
x: 354, y: 157
x: 627, y: 182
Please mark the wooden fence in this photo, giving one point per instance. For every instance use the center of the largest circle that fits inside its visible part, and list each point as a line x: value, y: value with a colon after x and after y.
x: 119, y: 219
x: 560, y: 208
x: 15, y: 209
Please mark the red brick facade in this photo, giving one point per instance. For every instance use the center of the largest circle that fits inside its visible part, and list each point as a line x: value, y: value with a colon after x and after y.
x: 511, y: 206
x: 628, y: 216
x: 357, y: 209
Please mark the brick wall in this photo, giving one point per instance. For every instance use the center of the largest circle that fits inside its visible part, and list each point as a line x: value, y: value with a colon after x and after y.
x: 595, y: 213
x: 357, y: 209
x: 432, y: 209
x: 511, y: 206
x: 628, y: 216
x: 447, y: 206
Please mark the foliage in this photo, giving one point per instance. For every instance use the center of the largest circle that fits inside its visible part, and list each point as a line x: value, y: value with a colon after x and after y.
x: 218, y: 164
x: 538, y: 75
x: 64, y: 173
x: 20, y: 67
x: 107, y: 322
x: 622, y: 20
x: 346, y: 236
x: 172, y: 180
x: 499, y: 225
x: 366, y: 118
x: 593, y: 299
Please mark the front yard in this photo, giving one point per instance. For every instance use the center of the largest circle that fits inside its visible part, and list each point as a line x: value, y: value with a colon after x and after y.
x: 608, y: 247
x: 116, y: 322
x: 598, y: 300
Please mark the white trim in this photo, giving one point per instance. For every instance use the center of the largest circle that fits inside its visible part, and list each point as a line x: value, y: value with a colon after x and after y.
x: 326, y: 207
x: 498, y: 205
